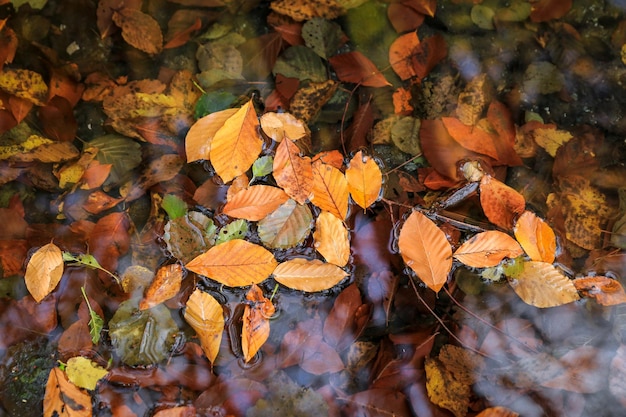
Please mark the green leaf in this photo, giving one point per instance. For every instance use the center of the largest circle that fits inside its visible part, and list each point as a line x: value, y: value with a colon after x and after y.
x: 302, y: 63
x: 122, y: 153
x: 213, y: 102
x: 174, y: 206
x: 96, y: 323
x: 234, y: 230
x: 322, y: 36
x: 262, y: 166
x: 88, y: 261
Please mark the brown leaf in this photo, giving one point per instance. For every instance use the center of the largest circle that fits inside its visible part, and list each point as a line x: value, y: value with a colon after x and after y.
x: 292, y: 172
x: 44, y: 271
x: 236, y: 263
x: 365, y: 180
x: 57, y: 119
x: 256, y: 324
x: 308, y: 100
x: 425, y: 250
x: 354, y: 67
x: 255, y: 202
x: 62, y: 398
x: 12, y: 255
x: 606, y: 291
x: 205, y: 315
x: 139, y: 30
x: 487, y: 249
x: 403, y: 17
x: 347, y: 319
x: 310, y: 276
x: 20, y: 107
x: 201, y: 133
x: 287, y: 226
x: 109, y: 239
x: 544, y: 10
x: 165, y: 285
x: 331, y: 239
x: 501, y: 203
x: 541, y: 285
x: 330, y: 189
x: 299, y: 11
x: 536, y: 237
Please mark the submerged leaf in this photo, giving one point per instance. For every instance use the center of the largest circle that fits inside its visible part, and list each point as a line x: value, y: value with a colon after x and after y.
x: 205, y: 315
x: 256, y: 324
x: 44, y: 271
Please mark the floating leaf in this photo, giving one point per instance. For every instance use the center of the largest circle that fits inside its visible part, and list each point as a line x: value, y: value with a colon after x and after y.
x: 236, y: 229
x: 255, y: 202
x: 201, y: 134
x: 541, y: 285
x: 237, y: 144
x: 536, y: 237
x: 501, y: 203
x: 331, y: 239
x: 425, y: 250
x: 292, y: 172
x: 44, y: 271
x: 354, y: 67
x: 165, y: 285
x: 236, y: 263
x: 188, y: 236
x: 286, y: 227
x: 205, y: 315
x: 96, y: 323
x: 606, y: 291
x: 62, y: 398
x: 364, y: 179
x: 280, y: 125
x: 330, y: 189
x: 139, y: 30
x: 84, y: 373
x: 256, y: 323
x: 174, y: 206
x: 305, y: 275
x: 487, y: 249
x: 25, y: 84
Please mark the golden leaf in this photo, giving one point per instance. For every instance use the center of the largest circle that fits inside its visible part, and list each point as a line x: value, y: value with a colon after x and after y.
x: 237, y: 144
x: 330, y: 189
x: 62, y: 398
x: 201, y: 133
x: 25, y: 84
x: 255, y: 202
x: 487, y: 249
x: 536, y: 237
x: 164, y: 286
x: 551, y: 139
x: 205, y: 315
x: 305, y: 275
x: 280, y: 125
x: 425, y: 250
x: 331, y: 239
x: 236, y: 263
x: 364, y: 179
x: 444, y: 390
x: 44, y: 271
x: 256, y: 324
x: 541, y: 285
x: 292, y: 172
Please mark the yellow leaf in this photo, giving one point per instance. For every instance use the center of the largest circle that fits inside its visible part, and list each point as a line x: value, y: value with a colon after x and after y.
x: 33, y: 141
x: 237, y: 144
x: 330, y: 189
x: 541, y: 285
x: 487, y: 249
x: 328, y: 9
x: 205, y: 315
x: 201, y: 133
x: 425, y: 250
x: 551, y: 139
x: 44, y: 271
x: 164, y: 286
x: 305, y: 275
x: 280, y: 125
x: 331, y: 239
x: 84, y: 373
x: 236, y: 263
x: 536, y: 237
x: 444, y: 390
x: 64, y: 399
x: 25, y: 84
x: 292, y: 172
x: 255, y: 202
x: 497, y: 412
x: 364, y: 180
x: 256, y: 323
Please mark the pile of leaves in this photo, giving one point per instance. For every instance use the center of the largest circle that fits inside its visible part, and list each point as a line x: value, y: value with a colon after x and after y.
x: 234, y: 207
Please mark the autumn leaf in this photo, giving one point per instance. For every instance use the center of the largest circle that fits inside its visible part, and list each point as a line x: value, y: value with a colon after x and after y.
x: 109, y: 239
x: 328, y: 9
x: 308, y: 275
x: 365, y: 180
x: 236, y: 145
x: 236, y: 263
x: 164, y: 286
x: 331, y: 239
x: 139, y: 30
x: 425, y: 249
x: 256, y: 324
x: 606, y: 291
x: 473, y: 138
x: 501, y: 203
x: 201, y: 133
x: 255, y: 202
x: 287, y: 226
x: 84, y: 373
x: 551, y: 139
x: 292, y: 172
x: 205, y: 315
x: 62, y: 398
x: 536, y: 237
x: 545, y: 10
x: 25, y: 84
x: 354, y: 67
x: 487, y: 249
x: 541, y: 285
x: 401, y: 52
x: 44, y: 271
x: 281, y: 125
x: 330, y: 189
x: 497, y: 412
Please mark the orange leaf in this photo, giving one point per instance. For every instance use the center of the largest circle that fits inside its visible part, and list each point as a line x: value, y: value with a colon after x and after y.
x: 500, y: 202
x: 44, y: 271
x: 487, y: 249
x: 497, y: 412
x: 305, y: 275
x: 425, y: 250
x: 20, y: 107
x: 354, y: 67
x: 331, y: 239
x: 364, y: 180
x: 139, y: 30
x: 256, y: 324
x: 333, y: 158
x: 164, y: 286
x: 402, y: 102
x: 255, y: 202
x: 95, y: 175
x: 201, y: 133
x: 330, y: 189
x: 401, y: 52
x: 428, y: 54
x: 471, y: 137
x: 237, y: 144
x: 541, y: 285
x: 62, y: 398
x: 606, y: 291
x: 235, y: 263
x: 292, y: 172
x: 182, y: 37
x: 536, y: 237
x: 205, y: 315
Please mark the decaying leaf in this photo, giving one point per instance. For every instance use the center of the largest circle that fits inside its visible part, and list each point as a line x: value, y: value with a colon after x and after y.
x: 365, y: 180
x: 62, y: 398
x: 541, y: 285
x: 299, y: 11
x: 25, y: 84
x: 256, y: 324
x: 551, y: 139
x: 501, y: 203
x: 293, y: 172
x: 310, y: 276
x: 536, y: 237
x: 487, y: 249
x: 425, y: 249
x: 606, y: 291
x: 165, y: 285
x: 287, y: 226
x: 331, y: 239
x: 139, y: 30
x: 330, y: 189
x: 206, y: 316
x: 255, y: 202
x: 44, y: 271
x: 308, y: 100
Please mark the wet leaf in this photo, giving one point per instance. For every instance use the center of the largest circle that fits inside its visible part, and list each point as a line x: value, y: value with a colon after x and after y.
x: 330, y: 189
x: 308, y: 100
x: 331, y: 239
x: 322, y: 36
x: 302, y: 63
x: 473, y: 138
x: 545, y: 10
x: 401, y: 52
x: 536, y: 237
x: 62, y: 398
x: 109, y: 239
x: 213, y: 102
x: 292, y: 172
x: 205, y: 315
x: 236, y: 263
x: 44, y: 271
x: 551, y: 139
x: 201, y: 134
x: 286, y: 227
x: 541, y: 285
x: 256, y: 324
x: 25, y: 84
x: 425, y: 249
x: 236, y: 145
x: 236, y: 229
x: 404, y: 17
x: 280, y: 125
x: 165, y: 285
x: 606, y: 291
x: 347, y: 319
x: 365, y: 180
x: 444, y: 390
x: 174, y: 206
x: 298, y: 11
x: 122, y: 153
x: 84, y: 373
x: 96, y: 323
x: 139, y: 30
x: 188, y: 236
x: 487, y: 249
x: 262, y: 166
x: 354, y: 67
x: 501, y: 203
x: 310, y: 276
x: 255, y: 202
x: 497, y: 412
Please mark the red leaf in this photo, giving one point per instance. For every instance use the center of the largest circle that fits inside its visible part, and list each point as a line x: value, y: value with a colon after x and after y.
x: 57, y: 118
x: 362, y: 122
x: 346, y: 319
x: 291, y: 33
x: 501, y: 120
x: 403, y: 17
x: 544, y: 10
x: 183, y: 37
x: 354, y: 67
x: 20, y: 107
x: 109, y: 239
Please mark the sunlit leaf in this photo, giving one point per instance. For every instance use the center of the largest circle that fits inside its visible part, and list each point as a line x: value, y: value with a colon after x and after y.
x: 165, y: 285
x: 256, y: 324
x: 536, y: 237
x: 487, y: 249
x: 236, y: 263
x: 292, y: 172
x: 330, y: 189
x: 305, y: 275
x: 541, y: 285
x: 425, y: 250
x: 255, y: 202
x: 331, y: 239
x: 606, y: 291
x: 201, y: 134
x: 365, y: 179
x: 287, y: 226
x: 139, y: 30
x: 501, y: 203
x: 205, y: 315
x: 84, y: 373
x: 62, y: 398
x: 44, y: 271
